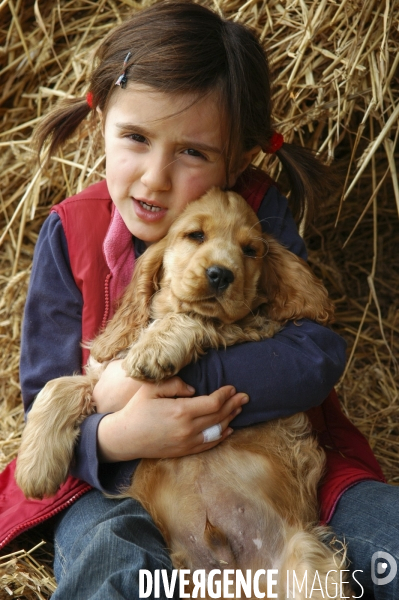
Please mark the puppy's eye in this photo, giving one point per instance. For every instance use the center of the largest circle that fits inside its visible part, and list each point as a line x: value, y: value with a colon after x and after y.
x: 249, y: 251
x: 198, y: 236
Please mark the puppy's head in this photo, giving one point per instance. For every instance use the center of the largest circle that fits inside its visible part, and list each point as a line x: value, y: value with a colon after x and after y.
x: 218, y: 263
x: 214, y: 257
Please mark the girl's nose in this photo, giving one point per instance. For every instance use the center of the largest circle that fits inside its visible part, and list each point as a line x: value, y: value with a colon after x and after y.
x: 157, y: 174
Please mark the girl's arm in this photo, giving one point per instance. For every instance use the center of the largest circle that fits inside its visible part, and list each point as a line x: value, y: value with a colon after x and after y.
x: 52, y: 330
x: 291, y: 372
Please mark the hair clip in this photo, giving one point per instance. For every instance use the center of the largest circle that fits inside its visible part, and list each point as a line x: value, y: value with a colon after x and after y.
x: 122, y: 79
x: 275, y: 143
x: 90, y: 100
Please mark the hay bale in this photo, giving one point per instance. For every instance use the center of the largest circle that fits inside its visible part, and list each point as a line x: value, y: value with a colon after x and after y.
x: 336, y: 84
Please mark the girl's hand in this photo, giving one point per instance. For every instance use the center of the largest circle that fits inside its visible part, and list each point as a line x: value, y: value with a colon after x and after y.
x: 162, y: 420
x: 114, y: 388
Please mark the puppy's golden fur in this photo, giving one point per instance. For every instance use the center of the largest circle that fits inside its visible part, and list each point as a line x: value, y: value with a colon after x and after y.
x: 250, y: 502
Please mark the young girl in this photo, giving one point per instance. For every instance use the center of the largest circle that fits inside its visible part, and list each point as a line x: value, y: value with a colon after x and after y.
x: 184, y: 101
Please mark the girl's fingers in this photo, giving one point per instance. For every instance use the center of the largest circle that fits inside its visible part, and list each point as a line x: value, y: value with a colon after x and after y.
x: 200, y: 446
x: 218, y: 404
x: 203, y: 412
x: 225, y: 431
x: 207, y: 409
x: 169, y: 388
x: 230, y: 409
x: 198, y: 406
x: 162, y: 421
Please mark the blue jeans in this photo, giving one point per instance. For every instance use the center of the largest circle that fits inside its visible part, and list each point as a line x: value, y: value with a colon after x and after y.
x: 367, y: 518
x: 101, y: 544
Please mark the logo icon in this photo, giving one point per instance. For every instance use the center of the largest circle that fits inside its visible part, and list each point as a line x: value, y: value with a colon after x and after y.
x: 380, y: 574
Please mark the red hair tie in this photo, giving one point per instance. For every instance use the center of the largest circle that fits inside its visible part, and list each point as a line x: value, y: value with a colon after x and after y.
x: 89, y: 99
x: 275, y: 143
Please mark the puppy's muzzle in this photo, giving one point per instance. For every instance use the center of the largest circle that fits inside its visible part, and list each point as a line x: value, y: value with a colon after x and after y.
x: 219, y: 278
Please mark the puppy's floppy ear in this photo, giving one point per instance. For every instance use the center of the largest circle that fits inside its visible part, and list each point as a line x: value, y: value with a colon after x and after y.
x: 133, y: 312
x: 292, y: 290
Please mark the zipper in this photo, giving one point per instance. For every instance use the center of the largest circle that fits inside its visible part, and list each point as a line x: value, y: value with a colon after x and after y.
x: 107, y: 300
x: 33, y: 522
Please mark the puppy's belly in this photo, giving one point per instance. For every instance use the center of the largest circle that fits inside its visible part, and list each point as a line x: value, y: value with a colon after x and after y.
x: 229, y: 530
x: 213, y: 509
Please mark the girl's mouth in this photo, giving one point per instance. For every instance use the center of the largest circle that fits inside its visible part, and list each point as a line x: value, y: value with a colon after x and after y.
x: 150, y: 207
x: 148, y: 212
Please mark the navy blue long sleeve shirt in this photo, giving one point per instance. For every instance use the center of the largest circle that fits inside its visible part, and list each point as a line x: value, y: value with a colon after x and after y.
x: 293, y: 371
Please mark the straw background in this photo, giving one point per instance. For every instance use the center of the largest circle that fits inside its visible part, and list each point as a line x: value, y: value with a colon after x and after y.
x: 336, y: 91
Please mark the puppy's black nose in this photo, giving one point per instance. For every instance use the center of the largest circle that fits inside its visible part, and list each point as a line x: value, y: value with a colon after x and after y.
x: 219, y: 277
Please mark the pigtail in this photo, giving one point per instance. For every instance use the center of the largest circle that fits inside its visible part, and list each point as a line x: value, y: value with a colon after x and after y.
x: 311, y: 181
x: 60, y: 124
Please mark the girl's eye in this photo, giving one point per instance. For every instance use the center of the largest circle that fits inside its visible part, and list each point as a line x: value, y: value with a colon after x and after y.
x: 197, y: 236
x: 136, y: 137
x: 249, y: 251
x: 193, y: 152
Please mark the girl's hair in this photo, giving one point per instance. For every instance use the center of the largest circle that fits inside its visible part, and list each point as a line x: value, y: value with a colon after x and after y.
x: 182, y: 47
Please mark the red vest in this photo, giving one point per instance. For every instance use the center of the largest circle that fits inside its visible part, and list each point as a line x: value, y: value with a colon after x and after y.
x: 349, y: 457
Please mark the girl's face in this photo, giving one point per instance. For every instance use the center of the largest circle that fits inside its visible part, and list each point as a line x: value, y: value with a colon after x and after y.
x: 163, y: 151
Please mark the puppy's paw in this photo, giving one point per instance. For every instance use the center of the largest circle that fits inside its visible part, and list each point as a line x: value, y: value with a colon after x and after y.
x: 148, y: 363
x: 38, y: 480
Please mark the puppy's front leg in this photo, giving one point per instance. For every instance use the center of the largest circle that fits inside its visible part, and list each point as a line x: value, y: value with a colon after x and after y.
x: 167, y: 345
